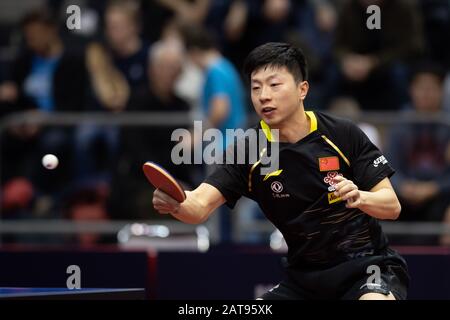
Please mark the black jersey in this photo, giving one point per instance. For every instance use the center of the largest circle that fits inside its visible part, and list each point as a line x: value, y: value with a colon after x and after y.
x: 298, y: 198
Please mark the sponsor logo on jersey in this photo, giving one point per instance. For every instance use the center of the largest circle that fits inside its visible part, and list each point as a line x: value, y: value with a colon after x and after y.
x: 329, y: 179
x: 276, y: 186
x: 329, y: 164
x: 379, y: 160
x: 273, y: 174
x: 332, y: 198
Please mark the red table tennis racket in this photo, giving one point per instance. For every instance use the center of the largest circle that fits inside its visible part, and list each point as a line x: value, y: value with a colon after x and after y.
x: 162, y: 180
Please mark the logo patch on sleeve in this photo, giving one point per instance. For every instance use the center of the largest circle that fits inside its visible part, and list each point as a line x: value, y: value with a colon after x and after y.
x: 329, y: 164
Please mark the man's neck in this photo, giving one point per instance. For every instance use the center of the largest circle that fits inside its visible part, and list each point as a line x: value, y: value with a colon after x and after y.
x: 53, y: 50
x: 295, y: 128
x: 163, y: 95
x: 210, y: 57
x: 130, y: 47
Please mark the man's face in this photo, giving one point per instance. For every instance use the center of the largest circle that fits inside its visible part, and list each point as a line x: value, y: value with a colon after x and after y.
x: 275, y: 94
x: 426, y: 92
x: 119, y: 27
x: 39, y: 37
x: 195, y: 55
x: 166, y: 68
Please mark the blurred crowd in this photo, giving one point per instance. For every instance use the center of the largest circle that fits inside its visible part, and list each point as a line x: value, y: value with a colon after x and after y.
x: 185, y: 56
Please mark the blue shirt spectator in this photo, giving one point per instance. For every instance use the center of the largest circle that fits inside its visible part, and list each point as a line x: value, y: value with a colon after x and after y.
x: 222, y: 79
x: 39, y: 83
x: 223, y: 100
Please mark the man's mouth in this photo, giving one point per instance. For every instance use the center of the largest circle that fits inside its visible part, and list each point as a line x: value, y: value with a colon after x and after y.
x: 268, y: 110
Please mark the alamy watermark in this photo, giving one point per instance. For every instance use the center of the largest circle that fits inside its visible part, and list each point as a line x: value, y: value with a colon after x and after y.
x: 73, y: 21
x: 374, y: 280
x: 74, y: 280
x: 374, y: 20
x: 242, y: 147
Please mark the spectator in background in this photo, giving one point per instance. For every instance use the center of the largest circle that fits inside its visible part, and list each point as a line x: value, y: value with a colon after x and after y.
x: 130, y: 193
x: 249, y: 23
x: 160, y: 13
x: 420, y: 151
x: 91, y: 12
x: 190, y: 81
x: 129, y: 52
x: 109, y: 86
x: 223, y: 96
x: 372, y: 61
x: 188, y: 11
x: 96, y: 146
x: 87, y: 205
x: 436, y: 20
x: 115, y: 73
x: 46, y: 77
x: 164, y: 68
x: 316, y: 22
x: 349, y: 108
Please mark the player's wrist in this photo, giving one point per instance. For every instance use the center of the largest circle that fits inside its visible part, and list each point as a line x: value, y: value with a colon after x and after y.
x: 363, y: 195
x: 176, y: 210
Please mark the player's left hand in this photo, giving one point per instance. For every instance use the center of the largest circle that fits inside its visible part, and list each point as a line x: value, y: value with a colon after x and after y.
x: 348, y: 191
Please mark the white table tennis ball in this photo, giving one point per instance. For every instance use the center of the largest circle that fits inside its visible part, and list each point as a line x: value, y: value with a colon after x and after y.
x: 50, y: 161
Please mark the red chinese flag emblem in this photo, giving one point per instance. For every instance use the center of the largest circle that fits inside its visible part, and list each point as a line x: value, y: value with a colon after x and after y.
x: 329, y: 164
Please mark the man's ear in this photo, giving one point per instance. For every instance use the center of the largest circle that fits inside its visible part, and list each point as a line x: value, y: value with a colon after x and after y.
x: 303, y: 88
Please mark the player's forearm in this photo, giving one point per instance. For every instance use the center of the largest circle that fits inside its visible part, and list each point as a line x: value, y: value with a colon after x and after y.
x: 191, y: 210
x: 199, y: 204
x: 381, y: 204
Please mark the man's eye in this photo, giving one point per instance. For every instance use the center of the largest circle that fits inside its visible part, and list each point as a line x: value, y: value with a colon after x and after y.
x: 255, y: 88
x: 275, y: 84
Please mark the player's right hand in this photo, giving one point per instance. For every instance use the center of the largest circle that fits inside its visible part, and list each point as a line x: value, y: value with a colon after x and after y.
x: 163, y: 203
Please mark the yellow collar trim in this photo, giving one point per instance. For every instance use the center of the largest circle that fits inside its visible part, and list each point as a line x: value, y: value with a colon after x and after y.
x: 266, y: 130
x: 313, y: 119
x: 310, y: 114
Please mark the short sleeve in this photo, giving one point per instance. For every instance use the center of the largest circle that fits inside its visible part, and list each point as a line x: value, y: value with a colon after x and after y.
x: 216, y: 84
x: 369, y: 165
x: 231, y: 179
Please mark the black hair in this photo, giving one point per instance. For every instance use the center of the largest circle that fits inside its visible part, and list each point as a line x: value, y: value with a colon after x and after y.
x: 197, y: 37
x: 277, y: 54
x: 428, y: 67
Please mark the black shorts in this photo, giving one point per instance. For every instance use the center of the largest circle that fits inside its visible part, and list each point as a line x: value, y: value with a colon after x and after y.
x: 347, y: 281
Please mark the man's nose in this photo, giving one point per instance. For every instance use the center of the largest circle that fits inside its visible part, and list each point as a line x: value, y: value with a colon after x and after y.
x: 265, y: 94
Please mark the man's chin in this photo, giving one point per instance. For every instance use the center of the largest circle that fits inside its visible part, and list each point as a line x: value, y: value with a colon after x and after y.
x: 271, y: 122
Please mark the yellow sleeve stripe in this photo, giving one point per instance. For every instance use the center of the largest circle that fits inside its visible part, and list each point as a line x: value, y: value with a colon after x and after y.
x: 253, y: 168
x: 337, y: 149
